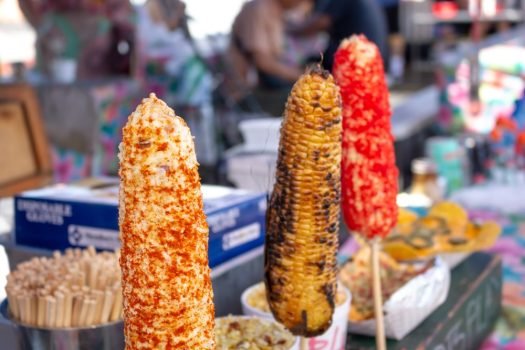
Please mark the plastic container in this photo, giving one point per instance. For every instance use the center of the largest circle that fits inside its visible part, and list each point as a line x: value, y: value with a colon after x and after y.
x: 254, y: 172
x: 333, y: 338
x: 261, y: 134
x: 64, y: 70
x: 450, y: 159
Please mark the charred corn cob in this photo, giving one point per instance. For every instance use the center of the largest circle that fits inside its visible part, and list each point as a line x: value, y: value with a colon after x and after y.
x: 369, y: 173
x: 303, y: 214
x: 164, y: 258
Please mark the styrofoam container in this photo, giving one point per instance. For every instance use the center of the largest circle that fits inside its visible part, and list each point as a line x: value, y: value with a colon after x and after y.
x: 333, y: 338
x: 261, y: 134
x: 254, y: 172
x: 411, y: 304
x: 295, y: 346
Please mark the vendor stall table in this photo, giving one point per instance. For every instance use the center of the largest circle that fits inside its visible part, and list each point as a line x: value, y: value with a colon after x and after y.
x: 235, y: 276
x: 509, y: 332
x: 506, y: 205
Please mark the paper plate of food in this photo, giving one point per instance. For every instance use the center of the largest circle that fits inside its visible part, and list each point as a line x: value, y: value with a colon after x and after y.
x: 411, y: 291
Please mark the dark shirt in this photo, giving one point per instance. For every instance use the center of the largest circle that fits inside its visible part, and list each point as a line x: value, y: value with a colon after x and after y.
x: 353, y: 17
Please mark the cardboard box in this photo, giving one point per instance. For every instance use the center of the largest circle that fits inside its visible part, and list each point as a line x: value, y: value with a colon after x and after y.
x: 465, y: 319
x: 60, y: 217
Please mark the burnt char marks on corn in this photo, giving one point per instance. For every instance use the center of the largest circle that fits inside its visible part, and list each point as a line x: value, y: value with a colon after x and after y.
x: 303, y: 211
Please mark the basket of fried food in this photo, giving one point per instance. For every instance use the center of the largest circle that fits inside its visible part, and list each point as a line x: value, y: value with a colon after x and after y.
x: 411, y: 292
x: 445, y: 230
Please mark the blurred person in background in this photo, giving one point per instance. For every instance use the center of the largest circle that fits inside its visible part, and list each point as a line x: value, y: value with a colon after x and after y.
x: 97, y: 35
x: 258, y: 42
x: 168, y: 59
x: 396, y: 42
x: 342, y: 18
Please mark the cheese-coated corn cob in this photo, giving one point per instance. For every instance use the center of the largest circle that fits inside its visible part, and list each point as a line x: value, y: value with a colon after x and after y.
x: 369, y: 173
x: 164, y: 258
x: 303, y: 214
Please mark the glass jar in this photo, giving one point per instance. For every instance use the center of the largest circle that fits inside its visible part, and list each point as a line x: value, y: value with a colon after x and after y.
x: 425, y: 180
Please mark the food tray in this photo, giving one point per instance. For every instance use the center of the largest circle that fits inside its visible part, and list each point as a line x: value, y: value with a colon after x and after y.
x: 411, y: 304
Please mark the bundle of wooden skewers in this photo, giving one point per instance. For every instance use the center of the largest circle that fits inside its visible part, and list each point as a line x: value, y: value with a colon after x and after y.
x: 77, y: 289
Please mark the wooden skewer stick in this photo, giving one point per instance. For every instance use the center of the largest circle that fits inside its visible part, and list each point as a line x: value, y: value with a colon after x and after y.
x: 303, y: 342
x: 41, y: 311
x: 77, y: 288
x: 92, y: 251
x: 101, y: 280
x: 99, y: 301
x: 13, y: 304
x: 90, y: 315
x: 51, y: 312
x: 59, y: 318
x: 68, y: 309
x: 56, y: 254
x: 117, y: 305
x: 93, y: 274
x: 84, y: 308
x: 75, y: 314
x: 29, y: 314
x: 22, y: 306
x: 378, y: 295
x: 34, y: 309
x: 107, y: 306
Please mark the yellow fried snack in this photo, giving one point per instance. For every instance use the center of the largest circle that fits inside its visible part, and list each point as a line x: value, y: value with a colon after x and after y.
x: 405, y: 220
x: 453, y: 213
x: 303, y: 212
x: 168, y: 298
x: 446, y: 229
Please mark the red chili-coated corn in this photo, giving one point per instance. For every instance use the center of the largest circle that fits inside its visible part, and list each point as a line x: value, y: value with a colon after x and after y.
x: 369, y: 174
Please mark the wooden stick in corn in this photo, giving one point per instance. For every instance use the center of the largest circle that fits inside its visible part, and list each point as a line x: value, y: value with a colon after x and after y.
x: 303, y: 213
x: 168, y: 299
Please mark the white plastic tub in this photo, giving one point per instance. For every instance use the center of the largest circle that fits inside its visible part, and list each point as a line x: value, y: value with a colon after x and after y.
x: 333, y: 338
x: 261, y: 134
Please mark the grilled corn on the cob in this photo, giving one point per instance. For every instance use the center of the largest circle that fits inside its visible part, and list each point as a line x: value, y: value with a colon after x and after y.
x: 166, y: 279
x: 303, y: 215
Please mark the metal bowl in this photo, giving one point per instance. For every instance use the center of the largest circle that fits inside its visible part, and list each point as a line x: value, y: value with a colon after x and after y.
x: 109, y: 336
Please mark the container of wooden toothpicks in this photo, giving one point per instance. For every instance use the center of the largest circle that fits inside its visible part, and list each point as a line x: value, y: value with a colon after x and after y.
x: 67, y: 301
